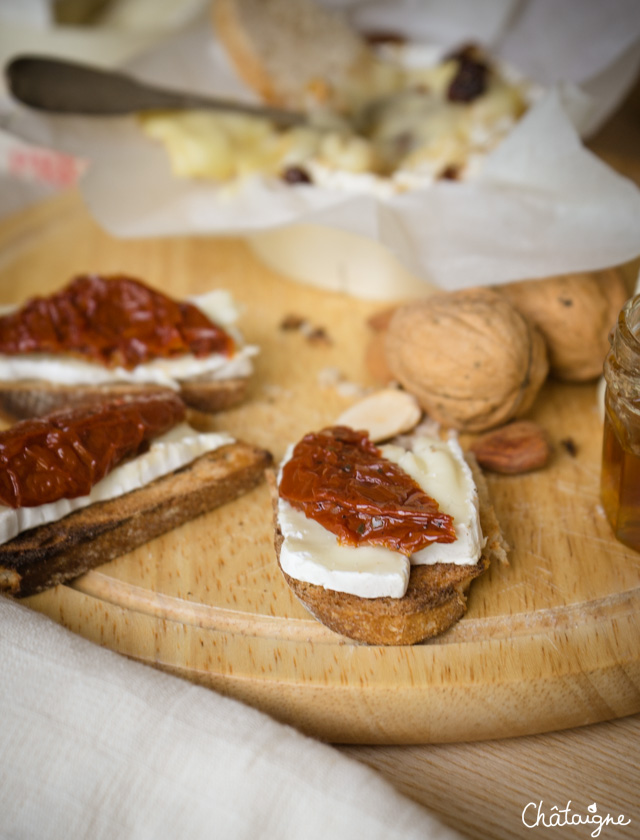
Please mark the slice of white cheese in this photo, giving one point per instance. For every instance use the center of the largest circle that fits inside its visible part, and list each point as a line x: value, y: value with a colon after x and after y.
x: 312, y: 554
x: 440, y: 469
x: 166, y: 372
x: 166, y: 454
x: 218, y: 305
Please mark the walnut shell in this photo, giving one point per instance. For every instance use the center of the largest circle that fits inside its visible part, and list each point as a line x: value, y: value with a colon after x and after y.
x: 470, y: 358
x: 574, y: 313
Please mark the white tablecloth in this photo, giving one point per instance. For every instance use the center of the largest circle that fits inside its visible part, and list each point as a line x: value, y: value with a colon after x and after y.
x: 93, y: 745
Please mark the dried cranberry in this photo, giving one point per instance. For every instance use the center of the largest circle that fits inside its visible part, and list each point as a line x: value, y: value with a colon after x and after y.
x: 470, y: 80
x: 380, y: 36
x: 450, y: 173
x: 296, y: 175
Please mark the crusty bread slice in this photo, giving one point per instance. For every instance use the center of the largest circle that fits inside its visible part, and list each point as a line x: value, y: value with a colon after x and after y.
x: 435, y: 599
x: 33, y: 398
x: 51, y: 554
x: 290, y: 51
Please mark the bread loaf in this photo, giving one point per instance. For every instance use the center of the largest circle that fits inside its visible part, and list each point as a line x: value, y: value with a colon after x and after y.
x: 291, y: 52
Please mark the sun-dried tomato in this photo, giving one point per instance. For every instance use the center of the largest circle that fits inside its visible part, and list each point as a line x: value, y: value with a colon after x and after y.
x: 339, y: 478
x: 115, y: 321
x: 64, y: 454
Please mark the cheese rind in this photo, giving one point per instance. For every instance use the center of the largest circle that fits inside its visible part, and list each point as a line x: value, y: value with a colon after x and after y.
x: 166, y: 372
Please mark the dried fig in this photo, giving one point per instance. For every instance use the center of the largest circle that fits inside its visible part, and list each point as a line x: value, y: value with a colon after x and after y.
x: 516, y: 448
x: 471, y: 359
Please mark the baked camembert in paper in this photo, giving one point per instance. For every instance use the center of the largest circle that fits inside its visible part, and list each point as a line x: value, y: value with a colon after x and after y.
x: 425, y: 116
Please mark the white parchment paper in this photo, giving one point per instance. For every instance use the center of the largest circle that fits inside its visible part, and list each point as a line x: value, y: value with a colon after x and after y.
x: 542, y: 205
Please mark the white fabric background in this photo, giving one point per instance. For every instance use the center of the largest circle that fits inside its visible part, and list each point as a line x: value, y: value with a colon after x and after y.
x: 93, y: 745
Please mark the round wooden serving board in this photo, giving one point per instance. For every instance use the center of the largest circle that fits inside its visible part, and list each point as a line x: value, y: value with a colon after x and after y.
x: 550, y: 641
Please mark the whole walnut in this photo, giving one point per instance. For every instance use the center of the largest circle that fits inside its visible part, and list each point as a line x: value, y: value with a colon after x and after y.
x: 574, y: 313
x: 469, y: 357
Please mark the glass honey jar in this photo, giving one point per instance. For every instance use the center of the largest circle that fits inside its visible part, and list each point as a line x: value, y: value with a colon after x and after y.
x: 620, y: 482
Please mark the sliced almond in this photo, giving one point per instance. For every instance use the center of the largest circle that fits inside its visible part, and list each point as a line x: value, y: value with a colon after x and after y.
x: 383, y: 414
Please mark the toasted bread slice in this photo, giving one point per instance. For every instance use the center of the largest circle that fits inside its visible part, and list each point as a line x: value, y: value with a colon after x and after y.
x: 435, y: 598
x: 70, y: 347
x: 51, y: 554
x: 291, y: 52
x: 33, y: 398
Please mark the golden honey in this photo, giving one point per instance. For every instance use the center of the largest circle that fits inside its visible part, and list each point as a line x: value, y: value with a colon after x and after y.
x: 620, y: 481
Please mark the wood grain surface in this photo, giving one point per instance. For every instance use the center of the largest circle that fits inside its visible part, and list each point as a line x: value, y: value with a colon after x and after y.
x: 549, y: 642
x: 482, y: 789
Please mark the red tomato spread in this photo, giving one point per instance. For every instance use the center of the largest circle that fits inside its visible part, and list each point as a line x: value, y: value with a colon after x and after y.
x: 62, y: 455
x: 115, y: 321
x: 339, y: 478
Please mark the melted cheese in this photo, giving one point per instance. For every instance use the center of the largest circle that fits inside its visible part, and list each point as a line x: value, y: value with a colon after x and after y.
x: 312, y: 554
x: 166, y: 454
x: 407, y: 132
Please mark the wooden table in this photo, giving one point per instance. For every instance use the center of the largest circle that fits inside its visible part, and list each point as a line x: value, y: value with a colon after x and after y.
x: 482, y: 787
